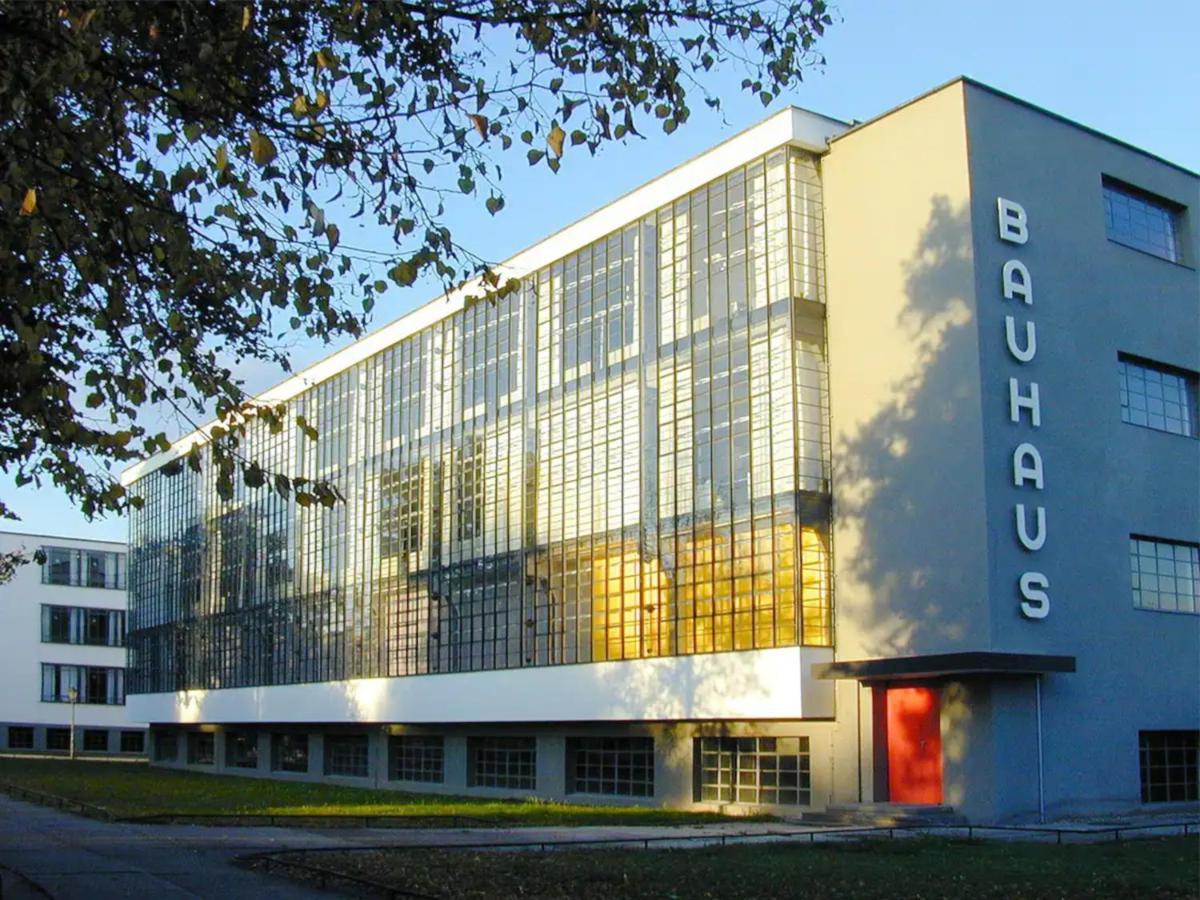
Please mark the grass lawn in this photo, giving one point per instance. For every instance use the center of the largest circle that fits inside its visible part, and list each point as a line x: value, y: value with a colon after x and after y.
x: 907, y: 868
x: 136, y: 789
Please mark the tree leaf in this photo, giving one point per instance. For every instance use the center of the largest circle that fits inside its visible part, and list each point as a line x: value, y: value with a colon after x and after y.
x: 555, y: 140
x: 222, y: 157
x: 262, y: 148
x: 481, y: 124
x: 245, y: 17
x: 29, y: 204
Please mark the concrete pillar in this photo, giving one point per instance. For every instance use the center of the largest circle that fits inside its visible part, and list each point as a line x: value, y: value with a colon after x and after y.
x: 551, y: 766
x: 454, y: 751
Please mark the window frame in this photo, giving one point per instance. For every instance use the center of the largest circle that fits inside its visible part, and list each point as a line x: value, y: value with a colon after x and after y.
x: 85, y: 567
x: 499, y: 762
x: 411, y: 756
x: 739, y: 757
x: 59, y: 678
x: 201, y: 748
x: 1190, y: 401
x: 342, y: 754
x: 25, y: 732
x: 286, y: 748
x: 1186, y: 741
x: 241, y: 749
x: 1137, y: 575
x: 1174, y: 213
x: 611, y: 766
x: 166, y: 745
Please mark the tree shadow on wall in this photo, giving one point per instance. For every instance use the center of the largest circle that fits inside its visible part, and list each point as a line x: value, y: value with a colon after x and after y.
x: 912, y: 564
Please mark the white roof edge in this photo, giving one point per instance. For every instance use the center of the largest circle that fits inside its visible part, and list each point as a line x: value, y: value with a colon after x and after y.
x: 792, y: 126
x: 61, y: 538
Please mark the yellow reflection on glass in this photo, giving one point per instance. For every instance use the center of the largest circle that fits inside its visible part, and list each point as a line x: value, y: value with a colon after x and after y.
x: 814, y: 586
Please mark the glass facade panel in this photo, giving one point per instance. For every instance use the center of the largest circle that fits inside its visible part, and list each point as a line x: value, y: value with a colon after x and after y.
x: 626, y: 458
x: 20, y: 737
x: 133, y: 742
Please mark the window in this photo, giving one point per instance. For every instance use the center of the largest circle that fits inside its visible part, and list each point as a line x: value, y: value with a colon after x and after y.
x: 1141, y: 220
x: 503, y: 762
x: 58, y: 738
x: 80, y: 625
x: 20, y: 737
x: 133, y: 742
x: 620, y: 766
x: 166, y: 746
x: 83, y: 568
x: 56, y: 624
x: 241, y: 749
x: 289, y: 752
x: 347, y: 754
x: 752, y: 770
x: 415, y: 757
x: 95, y: 740
x: 1156, y: 396
x: 1170, y: 764
x: 1166, y: 574
x: 95, y: 684
x: 201, y: 747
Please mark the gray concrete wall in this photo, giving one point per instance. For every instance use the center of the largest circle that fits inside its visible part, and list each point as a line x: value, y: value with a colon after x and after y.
x: 1104, y: 479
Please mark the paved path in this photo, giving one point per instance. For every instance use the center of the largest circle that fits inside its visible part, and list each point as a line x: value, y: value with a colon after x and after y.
x: 69, y: 857
x: 48, y: 853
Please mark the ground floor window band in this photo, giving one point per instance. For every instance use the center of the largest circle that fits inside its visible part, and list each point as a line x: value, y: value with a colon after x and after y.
x: 1170, y: 766
x: 757, y: 770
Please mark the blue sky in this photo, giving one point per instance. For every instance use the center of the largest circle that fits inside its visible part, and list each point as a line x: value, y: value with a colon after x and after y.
x: 1128, y: 70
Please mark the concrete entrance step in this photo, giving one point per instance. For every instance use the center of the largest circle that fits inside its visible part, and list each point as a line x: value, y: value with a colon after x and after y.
x: 884, y: 814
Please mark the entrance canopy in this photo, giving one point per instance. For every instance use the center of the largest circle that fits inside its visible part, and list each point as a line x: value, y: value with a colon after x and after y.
x: 944, y: 665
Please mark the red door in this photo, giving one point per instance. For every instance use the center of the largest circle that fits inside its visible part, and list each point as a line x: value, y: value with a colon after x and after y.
x: 914, y: 745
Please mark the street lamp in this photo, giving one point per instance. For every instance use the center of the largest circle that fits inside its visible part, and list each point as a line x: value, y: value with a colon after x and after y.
x: 73, y: 697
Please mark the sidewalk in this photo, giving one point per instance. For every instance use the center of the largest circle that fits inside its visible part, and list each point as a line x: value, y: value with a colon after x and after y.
x: 76, y: 858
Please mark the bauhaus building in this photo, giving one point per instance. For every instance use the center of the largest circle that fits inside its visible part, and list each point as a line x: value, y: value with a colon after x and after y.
x: 842, y: 463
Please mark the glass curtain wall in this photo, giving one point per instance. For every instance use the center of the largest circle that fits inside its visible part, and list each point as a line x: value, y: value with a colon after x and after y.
x: 627, y: 458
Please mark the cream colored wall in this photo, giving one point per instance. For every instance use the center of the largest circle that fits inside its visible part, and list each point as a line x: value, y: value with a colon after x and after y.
x: 909, y: 530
